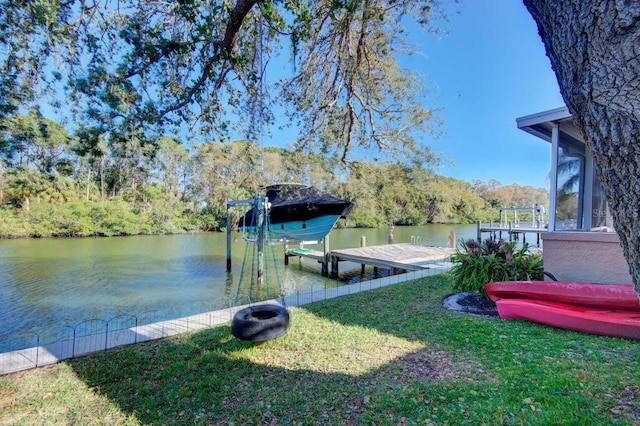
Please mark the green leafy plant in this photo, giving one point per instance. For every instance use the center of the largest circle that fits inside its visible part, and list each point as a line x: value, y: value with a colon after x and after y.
x: 476, y: 264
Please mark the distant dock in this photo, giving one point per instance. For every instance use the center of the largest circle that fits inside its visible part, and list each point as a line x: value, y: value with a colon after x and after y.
x: 512, y: 228
x: 408, y: 257
x: 512, y: 232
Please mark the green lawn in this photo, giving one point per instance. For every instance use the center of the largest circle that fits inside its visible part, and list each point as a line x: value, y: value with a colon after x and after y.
x: 391, y: 356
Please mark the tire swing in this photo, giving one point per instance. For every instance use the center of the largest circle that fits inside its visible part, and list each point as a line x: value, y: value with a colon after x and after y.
x: 260, y: 322
x: 265, y: 321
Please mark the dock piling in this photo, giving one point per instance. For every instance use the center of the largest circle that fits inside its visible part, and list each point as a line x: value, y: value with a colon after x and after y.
x: 286, y: 248
x: 327, y: 255
x: 452, y: 239
x: 231, y: 204
x: 228, y: 239
x: 363, y: 243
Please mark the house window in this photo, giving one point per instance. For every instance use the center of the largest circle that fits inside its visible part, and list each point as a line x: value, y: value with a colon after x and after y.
x: 601, y: 219
x: 570, y: 184
x: 580, y: 201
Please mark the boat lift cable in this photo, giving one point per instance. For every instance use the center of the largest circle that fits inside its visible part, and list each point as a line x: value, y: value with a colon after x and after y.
x: 259, y: 274
x: 254, y: 272
x: 249, y: 253
x: 276, y: 264
x: 278, y: 272
x: 242, y: 270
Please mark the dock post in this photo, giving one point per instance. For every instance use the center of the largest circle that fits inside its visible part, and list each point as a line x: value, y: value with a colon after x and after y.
x: 363, y: 243
x: 452, y: 239
x: 325, y: 262
x: 286, y: 248
x: 334, y: 266
x: 262, y: 209
x: 510, y: 232
x: 228, y: 239
x: 479, y: 225
x: 301, y: 258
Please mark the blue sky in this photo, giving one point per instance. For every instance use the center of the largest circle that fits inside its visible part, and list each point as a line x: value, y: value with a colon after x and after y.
x: 488, y: 70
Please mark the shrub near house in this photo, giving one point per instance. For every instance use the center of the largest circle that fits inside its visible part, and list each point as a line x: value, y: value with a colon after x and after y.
x: 476, y: 264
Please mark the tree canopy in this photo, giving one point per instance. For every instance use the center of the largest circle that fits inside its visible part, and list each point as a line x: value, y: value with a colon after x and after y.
x: 154, y: 65
x: 53, y: 183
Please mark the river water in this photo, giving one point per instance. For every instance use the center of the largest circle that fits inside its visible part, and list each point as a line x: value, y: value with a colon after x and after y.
x: 51, y: 285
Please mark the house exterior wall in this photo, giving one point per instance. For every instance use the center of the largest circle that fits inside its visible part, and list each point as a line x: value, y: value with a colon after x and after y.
x: 585, y: 256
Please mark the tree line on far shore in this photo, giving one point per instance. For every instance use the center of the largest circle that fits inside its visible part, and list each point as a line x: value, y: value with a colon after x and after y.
x: 95, y: 183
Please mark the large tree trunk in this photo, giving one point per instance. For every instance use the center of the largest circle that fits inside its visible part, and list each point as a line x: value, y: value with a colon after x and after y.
x: 594, y: 48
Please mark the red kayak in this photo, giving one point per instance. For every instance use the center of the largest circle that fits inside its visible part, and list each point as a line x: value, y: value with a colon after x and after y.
x: 606, y: 322
x: 600, y: 296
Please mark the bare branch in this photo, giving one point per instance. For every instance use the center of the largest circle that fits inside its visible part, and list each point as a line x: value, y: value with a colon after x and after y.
x: 223, y: 52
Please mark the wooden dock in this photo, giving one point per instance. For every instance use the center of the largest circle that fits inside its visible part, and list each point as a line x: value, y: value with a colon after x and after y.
x: 409, y: 257
x: 512, y: 231
x: 300, y: 253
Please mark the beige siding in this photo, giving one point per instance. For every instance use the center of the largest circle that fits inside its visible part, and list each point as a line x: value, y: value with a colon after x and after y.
x: 585, y: 256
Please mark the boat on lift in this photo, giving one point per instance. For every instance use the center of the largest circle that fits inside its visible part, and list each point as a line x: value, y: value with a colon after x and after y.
x: 298, y: 212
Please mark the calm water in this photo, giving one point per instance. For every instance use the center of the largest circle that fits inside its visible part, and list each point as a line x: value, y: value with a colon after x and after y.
x: 47, y: 285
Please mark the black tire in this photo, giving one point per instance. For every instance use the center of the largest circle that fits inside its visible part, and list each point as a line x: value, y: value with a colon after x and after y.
x: 260, y: 322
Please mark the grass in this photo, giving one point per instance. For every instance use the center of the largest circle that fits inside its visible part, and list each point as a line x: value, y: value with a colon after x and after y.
x: 391, y: 356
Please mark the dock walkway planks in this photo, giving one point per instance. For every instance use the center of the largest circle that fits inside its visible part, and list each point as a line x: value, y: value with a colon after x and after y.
x: 410, y: 257
x: 304, y: 252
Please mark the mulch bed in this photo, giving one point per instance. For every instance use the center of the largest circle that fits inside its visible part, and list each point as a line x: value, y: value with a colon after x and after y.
x: 471, y: 303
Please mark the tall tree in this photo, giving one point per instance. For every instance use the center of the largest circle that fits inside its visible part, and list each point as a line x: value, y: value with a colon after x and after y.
x: 92, y: 150
x: 172, y: 159
x: 34, y: 141
x: 594, y: 51
x: 225, y: 172
x: 133, y: 63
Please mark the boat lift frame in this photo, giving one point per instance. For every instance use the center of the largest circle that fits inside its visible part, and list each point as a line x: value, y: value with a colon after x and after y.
x: 513, y: 228
x: 321, y: 257
x: 262, y: 205
x: 537, y: 216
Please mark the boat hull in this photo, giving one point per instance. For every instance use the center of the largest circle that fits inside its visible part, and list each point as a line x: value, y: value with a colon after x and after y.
x: 308, y: 230
x: 298, y: 212
x: 599, y: 296
x: 605, y: 322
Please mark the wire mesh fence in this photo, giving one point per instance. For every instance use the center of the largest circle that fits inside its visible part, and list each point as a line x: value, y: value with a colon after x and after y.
x: 43, y: 347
